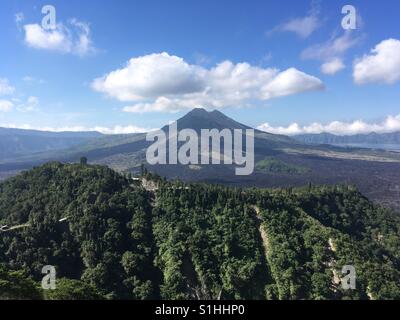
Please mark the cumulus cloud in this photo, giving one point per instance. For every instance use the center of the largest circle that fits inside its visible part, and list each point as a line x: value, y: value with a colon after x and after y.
x: 163, y: 82
x: 382, y: 65
x: 105, y: 130
x: 302, y: 26
x: 5, y: 87
x: 390, y: 124
x: 74, y: 38
x: 6, y: 106
x: 291, y: 81
x: 39, y: 38
x: 151, y: 76
x: 333, y: 66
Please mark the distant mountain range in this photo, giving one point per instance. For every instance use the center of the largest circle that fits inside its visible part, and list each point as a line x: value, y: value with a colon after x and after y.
x: 280, y: 161
x: 18, y: 142
x: 21, y: 144
x: 370, y: 138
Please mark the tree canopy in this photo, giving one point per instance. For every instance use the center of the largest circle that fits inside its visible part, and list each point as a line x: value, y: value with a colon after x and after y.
x: 111, y: 239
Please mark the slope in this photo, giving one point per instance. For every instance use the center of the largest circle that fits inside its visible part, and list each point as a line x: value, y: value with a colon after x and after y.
x: 191, y: 241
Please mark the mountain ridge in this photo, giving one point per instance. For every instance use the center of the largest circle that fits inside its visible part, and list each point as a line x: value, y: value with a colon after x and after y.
x: 375, y: 172
x: 367, y: 138
x: 17, y: 142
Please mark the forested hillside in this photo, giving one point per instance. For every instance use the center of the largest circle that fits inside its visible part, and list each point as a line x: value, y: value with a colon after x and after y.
x: 110, y: 238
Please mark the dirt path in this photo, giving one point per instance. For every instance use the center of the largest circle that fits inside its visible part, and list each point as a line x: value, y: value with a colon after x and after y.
x: 26, y: 225
x: 264, y: 238
x: 261, y: 229
x: 336, y: 279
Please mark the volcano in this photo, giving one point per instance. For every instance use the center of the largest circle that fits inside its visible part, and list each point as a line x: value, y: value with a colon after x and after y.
x: 280, y: 161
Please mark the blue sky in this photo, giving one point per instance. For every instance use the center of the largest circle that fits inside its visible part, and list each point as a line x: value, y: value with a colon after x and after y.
x: 123, y: 66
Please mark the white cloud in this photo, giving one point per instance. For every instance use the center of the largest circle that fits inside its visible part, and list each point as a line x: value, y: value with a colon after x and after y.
x: 332, y: 51
x: 291, y: 81
x: 382, y: 65
x: 39, y: 38
x: 32, y: 80
x: 74, y: 39
x: 151, y: 76
x: 5, y: 87
x: 105, y: 130
x: 390, y: 124
x: 6, y: 106
x: 161, y: 82
x: 30, y: 105
x: 302, y: 26
x: 332, y: 66
x: 122, y: 129
x: 84, y: 44
x: 161, y: 104
x: 335, y: 46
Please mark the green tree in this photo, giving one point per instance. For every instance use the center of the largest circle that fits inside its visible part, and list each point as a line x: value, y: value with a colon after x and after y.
x: 15, y: 285
x: 68, y: 289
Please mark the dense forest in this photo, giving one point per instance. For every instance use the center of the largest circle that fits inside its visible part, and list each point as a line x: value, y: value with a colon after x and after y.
x: 110, y: 237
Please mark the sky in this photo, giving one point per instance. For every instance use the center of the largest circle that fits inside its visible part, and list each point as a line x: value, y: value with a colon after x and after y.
x: 283, y: 66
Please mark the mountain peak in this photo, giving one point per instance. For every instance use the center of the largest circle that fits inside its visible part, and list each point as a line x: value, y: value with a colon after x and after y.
x: 198, y: 111
x: 200, y: 118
